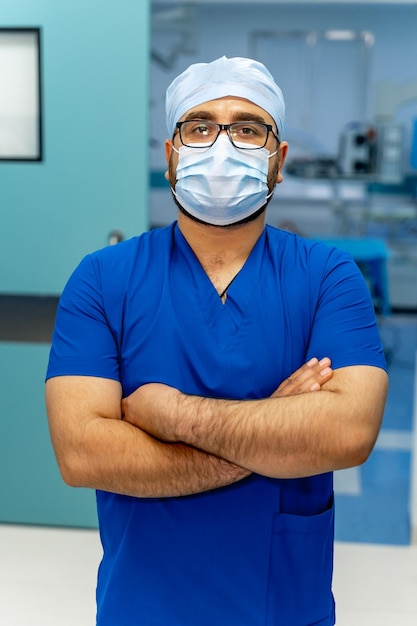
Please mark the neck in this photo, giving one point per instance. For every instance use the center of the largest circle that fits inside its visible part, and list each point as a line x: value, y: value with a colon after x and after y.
x: 219, y: 245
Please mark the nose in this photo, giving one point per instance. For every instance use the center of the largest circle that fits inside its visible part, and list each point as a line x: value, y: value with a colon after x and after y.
x: 224, y: 129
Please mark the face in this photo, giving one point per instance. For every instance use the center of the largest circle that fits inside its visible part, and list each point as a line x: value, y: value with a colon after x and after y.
x: 225, y: 111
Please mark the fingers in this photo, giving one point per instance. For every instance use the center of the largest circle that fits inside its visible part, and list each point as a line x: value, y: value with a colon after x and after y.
x: 311, y: 376
x: 322, y: 369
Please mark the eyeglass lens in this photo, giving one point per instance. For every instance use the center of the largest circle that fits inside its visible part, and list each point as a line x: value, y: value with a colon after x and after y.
x: 251, y: 134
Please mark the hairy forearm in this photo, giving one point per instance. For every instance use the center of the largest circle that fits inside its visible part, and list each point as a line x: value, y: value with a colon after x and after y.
x: 285, y: 437
x: 95, y: 448
x: 277, y: 437
x: 117, y: 457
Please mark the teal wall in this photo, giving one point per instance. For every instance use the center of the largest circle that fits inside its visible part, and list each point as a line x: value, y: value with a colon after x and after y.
x: 95, y: 174
x: 95, y: 74
x: 31, y: 488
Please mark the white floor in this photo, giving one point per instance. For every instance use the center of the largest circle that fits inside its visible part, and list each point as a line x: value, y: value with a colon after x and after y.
x: 47, y: 578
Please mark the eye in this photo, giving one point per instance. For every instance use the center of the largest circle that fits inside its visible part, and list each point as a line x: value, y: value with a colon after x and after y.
x: 198, y: 128
x: 249, y: 130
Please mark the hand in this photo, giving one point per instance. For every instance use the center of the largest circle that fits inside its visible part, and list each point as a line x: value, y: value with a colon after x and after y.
x: 309, y: 377
x: 151, y: 407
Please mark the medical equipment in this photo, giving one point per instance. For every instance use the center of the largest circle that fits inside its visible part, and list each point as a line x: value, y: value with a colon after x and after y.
x: 357, y: 150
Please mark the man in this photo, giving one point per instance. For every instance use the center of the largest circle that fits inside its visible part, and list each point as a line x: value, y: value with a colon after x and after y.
x: 207, y: 378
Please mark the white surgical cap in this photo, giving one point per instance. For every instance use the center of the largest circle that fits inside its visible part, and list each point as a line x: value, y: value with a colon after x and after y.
x: 243, y: 78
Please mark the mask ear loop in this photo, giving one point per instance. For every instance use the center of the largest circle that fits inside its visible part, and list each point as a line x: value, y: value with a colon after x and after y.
x: 270, y: 156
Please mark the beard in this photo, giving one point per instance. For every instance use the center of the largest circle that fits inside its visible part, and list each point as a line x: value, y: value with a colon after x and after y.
x: 271, y: 182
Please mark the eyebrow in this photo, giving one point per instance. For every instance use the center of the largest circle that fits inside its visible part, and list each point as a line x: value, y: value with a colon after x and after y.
x: 240, y: 116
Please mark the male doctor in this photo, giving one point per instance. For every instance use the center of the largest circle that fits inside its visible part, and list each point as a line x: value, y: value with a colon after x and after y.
x: 206, y: 378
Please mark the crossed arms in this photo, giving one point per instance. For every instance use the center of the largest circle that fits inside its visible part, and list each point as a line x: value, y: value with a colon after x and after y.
x: 171, y: 444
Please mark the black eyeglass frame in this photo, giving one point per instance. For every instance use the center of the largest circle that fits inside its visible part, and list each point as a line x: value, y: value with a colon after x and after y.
x: 226, y: 127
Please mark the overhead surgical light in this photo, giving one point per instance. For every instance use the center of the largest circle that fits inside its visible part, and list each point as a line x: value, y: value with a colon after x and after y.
x: 349, y: 35
x: 340, y: 35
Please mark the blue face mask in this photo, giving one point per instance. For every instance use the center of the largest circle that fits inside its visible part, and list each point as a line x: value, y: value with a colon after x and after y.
x: 222, y: 185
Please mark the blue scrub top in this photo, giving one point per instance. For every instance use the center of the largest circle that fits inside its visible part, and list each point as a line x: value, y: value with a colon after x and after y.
x: 259, y: 552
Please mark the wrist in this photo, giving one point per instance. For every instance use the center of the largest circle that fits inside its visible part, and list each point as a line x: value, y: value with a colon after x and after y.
x: 187, y: 416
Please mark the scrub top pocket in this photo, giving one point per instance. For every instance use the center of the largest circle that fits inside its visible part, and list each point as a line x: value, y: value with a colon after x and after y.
x: 300, y: 572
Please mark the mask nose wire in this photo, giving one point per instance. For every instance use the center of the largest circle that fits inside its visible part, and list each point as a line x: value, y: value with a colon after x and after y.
x: 228, y: 138
x: 205, y: 147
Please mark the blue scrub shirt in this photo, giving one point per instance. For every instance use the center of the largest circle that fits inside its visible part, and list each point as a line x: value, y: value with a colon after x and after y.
x: 259, y: 552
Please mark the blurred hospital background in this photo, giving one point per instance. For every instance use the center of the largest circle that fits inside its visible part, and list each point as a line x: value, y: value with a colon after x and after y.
x: 82, y: 131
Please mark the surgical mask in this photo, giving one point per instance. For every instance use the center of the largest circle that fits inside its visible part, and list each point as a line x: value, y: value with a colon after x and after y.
x: 221, y: 184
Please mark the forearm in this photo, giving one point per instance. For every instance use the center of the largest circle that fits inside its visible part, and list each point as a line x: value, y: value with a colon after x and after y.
x: 117, y: 457
x: 287, y: 437
x: 284, y: 437
x: 277, y: 437
x: 95, y: 448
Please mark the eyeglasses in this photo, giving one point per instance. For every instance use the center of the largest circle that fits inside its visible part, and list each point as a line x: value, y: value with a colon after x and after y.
x: 244, y: 135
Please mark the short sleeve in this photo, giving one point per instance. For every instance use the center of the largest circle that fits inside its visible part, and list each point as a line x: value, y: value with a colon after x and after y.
x: 345, y: 326
x: 83, y: 343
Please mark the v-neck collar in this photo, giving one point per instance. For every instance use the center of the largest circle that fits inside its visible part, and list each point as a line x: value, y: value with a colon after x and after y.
x: 198, y: 290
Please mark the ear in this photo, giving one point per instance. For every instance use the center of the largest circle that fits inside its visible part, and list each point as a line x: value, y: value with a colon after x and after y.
x: 282, y: 155
x: 168, y: 150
